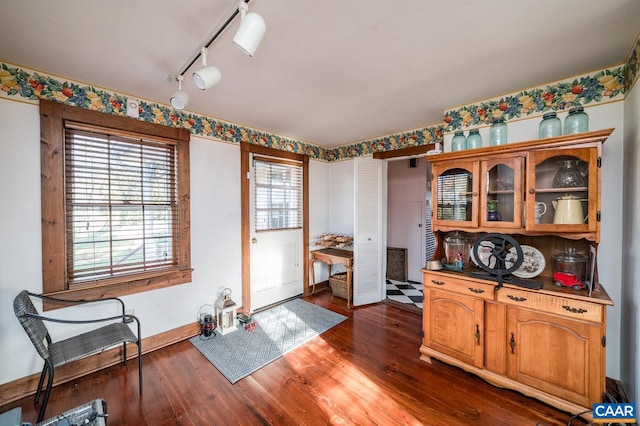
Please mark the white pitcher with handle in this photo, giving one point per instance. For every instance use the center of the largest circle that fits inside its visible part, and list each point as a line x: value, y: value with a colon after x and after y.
x: 568, y: 210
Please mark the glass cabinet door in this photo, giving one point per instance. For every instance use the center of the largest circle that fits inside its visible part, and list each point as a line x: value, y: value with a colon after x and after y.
x: 562, y: 187
x: 455, y: 195
x: 501, y: 192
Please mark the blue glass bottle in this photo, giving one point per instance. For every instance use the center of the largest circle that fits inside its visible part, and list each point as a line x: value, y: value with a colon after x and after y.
x: 474, y: 140
x: 577, y: 121
x: 550, y: 126
x: 498, y: 132
x: 459, y: 141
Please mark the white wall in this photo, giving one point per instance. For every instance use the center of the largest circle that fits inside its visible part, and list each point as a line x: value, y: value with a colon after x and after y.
x: 215, y: 235
x: 319, y: 202
x: 20, y: 246
x: 630, y: 292
x: 337, y: 206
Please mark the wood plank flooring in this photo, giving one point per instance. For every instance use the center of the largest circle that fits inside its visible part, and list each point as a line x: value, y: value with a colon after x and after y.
x: 364, y: 371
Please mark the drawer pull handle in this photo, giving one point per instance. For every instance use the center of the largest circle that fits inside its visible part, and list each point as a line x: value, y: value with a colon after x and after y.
x: 476, y: 290
x: 437, y: 282
x: 477, y: 334
x: 512, y: 343
x: 574, y: 310
x: 516, y: 298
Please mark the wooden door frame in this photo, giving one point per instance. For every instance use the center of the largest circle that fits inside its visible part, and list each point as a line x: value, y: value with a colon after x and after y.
x: 246, y: 149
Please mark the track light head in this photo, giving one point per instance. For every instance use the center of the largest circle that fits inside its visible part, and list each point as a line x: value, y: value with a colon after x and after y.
x: 180, y: 98
x: 206, y: 77
x: 251, y: 31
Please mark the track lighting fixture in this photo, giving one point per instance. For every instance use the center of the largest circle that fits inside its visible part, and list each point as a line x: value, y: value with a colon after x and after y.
x: 251, y: 31
x: 207, y: 76
x: 180, y: 98
x: 248, y: 38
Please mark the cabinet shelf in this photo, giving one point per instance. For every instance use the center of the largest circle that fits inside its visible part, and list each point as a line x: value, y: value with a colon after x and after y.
x: 500, y: 192
x: 561, y: 190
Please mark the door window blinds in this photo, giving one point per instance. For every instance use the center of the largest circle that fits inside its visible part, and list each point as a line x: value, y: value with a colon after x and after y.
x: 278, y: 194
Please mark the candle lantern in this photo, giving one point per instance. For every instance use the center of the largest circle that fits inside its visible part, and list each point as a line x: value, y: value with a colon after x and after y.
x: 226, y: 313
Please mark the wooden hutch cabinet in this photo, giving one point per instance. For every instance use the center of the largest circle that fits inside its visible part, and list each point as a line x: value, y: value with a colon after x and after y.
x: 548, y: 343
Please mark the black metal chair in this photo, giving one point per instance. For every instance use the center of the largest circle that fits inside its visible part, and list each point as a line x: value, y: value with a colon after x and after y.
x: 85, y: 344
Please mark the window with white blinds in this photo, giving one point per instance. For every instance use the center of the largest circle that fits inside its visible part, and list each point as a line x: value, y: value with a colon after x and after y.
x: 278, y: 194
x: 454, y: 188
x: 120, y: 204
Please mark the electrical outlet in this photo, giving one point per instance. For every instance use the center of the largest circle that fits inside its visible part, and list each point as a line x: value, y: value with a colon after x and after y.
x: 129, y: 312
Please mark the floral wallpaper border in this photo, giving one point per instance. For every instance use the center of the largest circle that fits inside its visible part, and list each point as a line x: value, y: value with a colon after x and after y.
x: 30, y: 85
x: 418, y: 137
x: 601, y: 86
x: 632, y: 66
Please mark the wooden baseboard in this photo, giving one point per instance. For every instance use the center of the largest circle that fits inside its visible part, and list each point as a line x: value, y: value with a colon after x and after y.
x: 26, y: 386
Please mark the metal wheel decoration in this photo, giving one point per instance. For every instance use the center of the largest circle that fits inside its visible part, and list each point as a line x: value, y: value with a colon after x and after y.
x: 496, y: 255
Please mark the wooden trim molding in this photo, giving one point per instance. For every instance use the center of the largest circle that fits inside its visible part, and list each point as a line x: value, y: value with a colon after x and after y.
x: 25, y: 386
x: 404, y: 152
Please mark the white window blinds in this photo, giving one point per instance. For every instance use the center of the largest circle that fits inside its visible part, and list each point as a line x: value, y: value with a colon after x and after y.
x: 120, y: 204
x: 278, y: 194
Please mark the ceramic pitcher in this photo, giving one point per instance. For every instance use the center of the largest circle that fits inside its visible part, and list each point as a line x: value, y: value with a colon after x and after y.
x: 568, y: 210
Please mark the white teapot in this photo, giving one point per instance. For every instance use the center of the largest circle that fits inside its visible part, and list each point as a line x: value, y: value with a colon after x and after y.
x: 568, y: 210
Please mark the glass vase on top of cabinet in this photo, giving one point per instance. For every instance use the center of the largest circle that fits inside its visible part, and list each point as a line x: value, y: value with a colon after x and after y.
x: 549, y: 342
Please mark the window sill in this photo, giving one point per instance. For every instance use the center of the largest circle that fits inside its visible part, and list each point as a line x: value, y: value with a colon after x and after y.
x: 126, y: 286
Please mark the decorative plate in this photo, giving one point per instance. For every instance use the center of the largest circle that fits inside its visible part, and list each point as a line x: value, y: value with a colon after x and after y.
x: 533, y: 262
x: 484, y: 253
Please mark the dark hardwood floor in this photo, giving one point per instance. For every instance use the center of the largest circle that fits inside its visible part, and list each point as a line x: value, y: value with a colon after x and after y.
x: 364, y: 371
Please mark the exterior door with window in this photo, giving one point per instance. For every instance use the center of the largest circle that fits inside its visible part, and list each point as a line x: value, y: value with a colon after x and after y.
x: 276, y: 247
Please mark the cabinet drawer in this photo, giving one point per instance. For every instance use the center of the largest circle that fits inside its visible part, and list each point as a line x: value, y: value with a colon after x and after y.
x: 552, y: 304
x: 458, y: 285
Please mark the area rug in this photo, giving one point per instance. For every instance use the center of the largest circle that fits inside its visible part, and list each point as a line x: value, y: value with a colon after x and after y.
x: 279, y: 330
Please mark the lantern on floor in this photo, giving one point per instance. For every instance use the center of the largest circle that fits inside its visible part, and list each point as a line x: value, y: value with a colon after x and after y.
x: 226, y: 312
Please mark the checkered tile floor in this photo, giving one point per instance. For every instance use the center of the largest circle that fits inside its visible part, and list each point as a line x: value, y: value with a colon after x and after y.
x: 405, y: 292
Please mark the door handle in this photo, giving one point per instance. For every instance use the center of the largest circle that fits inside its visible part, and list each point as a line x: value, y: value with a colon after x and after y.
x: 254, y: 240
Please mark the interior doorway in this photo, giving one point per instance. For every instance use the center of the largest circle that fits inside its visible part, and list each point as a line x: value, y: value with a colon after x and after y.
x: 409, y: 225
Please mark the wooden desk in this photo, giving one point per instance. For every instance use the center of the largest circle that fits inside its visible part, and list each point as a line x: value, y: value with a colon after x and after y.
x: 332, y: 256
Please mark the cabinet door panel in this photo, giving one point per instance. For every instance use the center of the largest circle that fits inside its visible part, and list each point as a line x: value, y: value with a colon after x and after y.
x: 455, y: 195
x: 501, y: 181
x: 546, y: 186
x: 453, y: 325
x: 556, y: 355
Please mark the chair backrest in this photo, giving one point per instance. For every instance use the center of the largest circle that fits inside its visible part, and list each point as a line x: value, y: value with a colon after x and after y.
x: 35, y: 328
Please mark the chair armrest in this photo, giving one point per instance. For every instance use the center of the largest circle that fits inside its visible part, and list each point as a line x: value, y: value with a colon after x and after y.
x: 125, y: 318
x: 78, y: 301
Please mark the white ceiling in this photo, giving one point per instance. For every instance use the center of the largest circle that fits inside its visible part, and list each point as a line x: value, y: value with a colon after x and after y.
x: 327, y: 72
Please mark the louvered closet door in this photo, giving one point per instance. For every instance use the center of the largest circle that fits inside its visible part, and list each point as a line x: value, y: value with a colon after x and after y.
x: 368, y: 286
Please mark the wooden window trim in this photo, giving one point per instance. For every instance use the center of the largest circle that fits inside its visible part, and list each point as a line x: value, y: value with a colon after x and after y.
x: 52, y: 122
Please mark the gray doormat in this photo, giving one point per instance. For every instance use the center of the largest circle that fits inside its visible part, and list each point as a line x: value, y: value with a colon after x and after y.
x: 279, y: 330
